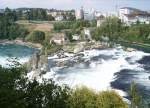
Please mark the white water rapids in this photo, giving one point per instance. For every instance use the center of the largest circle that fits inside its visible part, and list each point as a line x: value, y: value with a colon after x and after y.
x: 99, y: 72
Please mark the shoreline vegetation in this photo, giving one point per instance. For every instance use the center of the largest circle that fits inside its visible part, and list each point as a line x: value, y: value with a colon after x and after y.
x: 92, y: 45
x: 136, y: 43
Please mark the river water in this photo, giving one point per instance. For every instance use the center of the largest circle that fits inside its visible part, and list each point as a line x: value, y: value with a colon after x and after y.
x: 102, y: 69
x: 22, y: 53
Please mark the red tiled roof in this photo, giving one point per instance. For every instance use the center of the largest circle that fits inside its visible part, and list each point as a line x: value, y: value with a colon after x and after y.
x: 137, y: 14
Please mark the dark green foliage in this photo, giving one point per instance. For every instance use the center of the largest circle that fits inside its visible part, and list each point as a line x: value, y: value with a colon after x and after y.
x: 115, y: 30
x: 36, y: 37
x: 10, y: 15
x: 9, y: 95
x: 86, y: 98
x: 72, y: 25
x: 135, y: 97
x: 111, y: 27
x: 50, y: 18
x: 17, y: 92
x: 149, y: 105
x: 36, y: 14
x: 110, y: 99
x: 50, y: 48
x: 83, y: 98
x: 8, y: 28
x: 138, y: 33
x: 40, y: 14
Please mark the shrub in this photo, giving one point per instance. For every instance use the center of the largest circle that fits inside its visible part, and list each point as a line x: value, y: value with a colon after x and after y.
x: 86, y: 98
x: 36, y: 37
x: 110, y: 99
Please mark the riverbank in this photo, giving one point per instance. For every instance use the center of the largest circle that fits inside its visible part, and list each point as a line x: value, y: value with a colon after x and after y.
x: 20, y: 42
x: 135, y: 43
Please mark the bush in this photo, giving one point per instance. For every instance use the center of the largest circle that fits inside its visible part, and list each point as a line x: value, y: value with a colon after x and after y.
x: 36, y: 37
x: 18, y: 92
x: 86, y: 98
x: 82, y: 98
x: 110, y: 99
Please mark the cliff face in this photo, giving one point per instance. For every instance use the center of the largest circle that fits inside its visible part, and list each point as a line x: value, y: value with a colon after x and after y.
x: 37, y: 65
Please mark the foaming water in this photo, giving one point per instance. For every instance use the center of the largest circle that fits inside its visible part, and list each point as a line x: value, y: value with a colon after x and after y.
x: 99, y: 68
x: 9, y: 51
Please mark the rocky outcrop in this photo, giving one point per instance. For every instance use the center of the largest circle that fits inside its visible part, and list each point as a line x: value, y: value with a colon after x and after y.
x: 38, y: 65
x: 130, y: 49
x: 81, y: 46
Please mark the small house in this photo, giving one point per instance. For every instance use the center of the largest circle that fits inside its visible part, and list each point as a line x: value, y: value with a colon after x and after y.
x: 100, y: 20
x: 76, y: 37
x: 59, y: 38
x: 59, y: 18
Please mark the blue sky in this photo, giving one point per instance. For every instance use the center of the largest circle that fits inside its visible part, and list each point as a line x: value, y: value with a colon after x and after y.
x: 103, y: 5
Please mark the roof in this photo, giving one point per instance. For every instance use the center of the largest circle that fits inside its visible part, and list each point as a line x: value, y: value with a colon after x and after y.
x: 131, y: 8
x: 136, y: 11
x: 137, y: 14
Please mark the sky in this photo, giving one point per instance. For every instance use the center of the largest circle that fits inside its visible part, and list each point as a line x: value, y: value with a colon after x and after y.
x: 102, y: 5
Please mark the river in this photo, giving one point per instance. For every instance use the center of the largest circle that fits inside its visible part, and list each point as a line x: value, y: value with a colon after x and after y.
x: 22, y: 53
x: 100, y: 69
x: 103, y: 69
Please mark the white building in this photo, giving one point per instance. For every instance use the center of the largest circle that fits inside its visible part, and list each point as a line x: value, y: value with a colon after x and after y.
x: 59, y: 18
x: 100, y: 20
x: 90, y: 15
x: 79, y: 14
x: 76, y: 37
x: 52, y: 13
x: 130, y: 16
x: 59, y: 38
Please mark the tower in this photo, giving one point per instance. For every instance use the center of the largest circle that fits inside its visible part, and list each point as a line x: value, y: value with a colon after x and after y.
x: 80, y: 14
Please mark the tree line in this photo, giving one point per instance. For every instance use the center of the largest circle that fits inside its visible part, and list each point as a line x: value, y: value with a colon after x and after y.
x: 40, y: 14
x: 79, y: 24
x: 8, y: 28
x: 116, y: 31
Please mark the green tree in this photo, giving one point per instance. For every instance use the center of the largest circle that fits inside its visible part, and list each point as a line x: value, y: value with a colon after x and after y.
x: 82, y: 98
x: 135, y: 97
x: 36, y: 37
x: 8, y: 28
x: 18, y: 92
x: 110, y: 99
x: 85, y: 98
